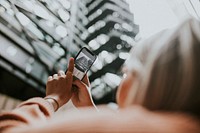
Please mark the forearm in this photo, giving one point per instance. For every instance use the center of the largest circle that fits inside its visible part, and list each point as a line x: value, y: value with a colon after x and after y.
x: 29, y: 112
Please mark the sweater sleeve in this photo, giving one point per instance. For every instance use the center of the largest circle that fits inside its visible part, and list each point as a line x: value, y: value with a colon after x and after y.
x: 27, y: 113
x: 129, y: 120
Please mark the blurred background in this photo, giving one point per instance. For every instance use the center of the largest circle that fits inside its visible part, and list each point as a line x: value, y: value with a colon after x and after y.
x: 37, y: 37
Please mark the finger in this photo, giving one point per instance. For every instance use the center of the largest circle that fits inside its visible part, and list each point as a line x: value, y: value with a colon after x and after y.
x: 86, y: 80
x: 61, y: 73
x: 81, y: 87
x: 50, y: 78
x: 71, y: 65
x: 79, y: 84
x: 74, y: 89
x: 55, y: 76
x: 69, y: 78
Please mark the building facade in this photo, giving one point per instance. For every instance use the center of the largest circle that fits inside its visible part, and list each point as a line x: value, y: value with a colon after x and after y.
x: 38, y: 37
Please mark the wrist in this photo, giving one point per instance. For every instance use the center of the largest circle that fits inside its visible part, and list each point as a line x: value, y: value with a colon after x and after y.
x: 53, y: 102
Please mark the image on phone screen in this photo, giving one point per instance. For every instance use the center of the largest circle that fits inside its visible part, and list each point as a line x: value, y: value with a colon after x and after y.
x: 83, y: 62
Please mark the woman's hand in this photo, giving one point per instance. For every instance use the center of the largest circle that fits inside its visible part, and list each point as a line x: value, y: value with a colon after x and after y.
x: 59, y: 86
x: 81, y: 96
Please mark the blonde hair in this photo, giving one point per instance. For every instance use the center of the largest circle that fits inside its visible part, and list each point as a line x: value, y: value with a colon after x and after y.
x: 168, y: 70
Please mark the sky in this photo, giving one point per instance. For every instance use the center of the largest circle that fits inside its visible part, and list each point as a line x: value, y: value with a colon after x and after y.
x: 152, y: 16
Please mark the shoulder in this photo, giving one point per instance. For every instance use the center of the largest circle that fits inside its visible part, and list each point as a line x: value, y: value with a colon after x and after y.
x: 155, y: 121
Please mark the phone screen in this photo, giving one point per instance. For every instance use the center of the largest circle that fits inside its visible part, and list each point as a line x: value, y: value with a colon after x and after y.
x: 83, y: 62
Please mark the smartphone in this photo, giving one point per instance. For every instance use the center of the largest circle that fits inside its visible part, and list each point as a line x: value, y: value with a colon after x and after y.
x: 83, y: 62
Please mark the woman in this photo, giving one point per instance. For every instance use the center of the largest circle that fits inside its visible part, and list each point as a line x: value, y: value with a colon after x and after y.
x: 160, y: 93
